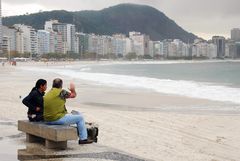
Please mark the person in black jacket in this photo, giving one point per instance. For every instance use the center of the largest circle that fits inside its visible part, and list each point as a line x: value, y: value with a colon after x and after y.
x: 34, y: 101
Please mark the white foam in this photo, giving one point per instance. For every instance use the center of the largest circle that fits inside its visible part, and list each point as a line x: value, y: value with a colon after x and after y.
x: 179, y: 87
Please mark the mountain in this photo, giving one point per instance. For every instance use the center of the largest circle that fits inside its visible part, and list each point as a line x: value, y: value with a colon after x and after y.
x: 117, y: 19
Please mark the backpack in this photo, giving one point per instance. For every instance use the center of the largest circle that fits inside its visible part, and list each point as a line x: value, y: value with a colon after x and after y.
x: 92, y: 130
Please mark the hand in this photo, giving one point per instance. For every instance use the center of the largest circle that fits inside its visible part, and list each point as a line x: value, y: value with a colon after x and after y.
x: 73, y: 92
x: 38, y: 109
x: 72, y: 87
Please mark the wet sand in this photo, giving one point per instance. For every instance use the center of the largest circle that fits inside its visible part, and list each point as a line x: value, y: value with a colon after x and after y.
x: 139, y: 122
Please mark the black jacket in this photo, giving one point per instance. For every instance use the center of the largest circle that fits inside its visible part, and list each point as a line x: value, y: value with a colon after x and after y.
x: 32, y: 101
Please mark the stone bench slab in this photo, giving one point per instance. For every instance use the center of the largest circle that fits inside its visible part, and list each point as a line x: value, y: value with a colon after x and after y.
x: 50, y: 132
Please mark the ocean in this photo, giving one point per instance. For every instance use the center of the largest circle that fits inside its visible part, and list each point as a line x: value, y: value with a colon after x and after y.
x: 217, y: 81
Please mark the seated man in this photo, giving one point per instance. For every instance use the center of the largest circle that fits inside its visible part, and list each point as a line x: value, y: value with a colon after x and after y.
x: 55, y: 112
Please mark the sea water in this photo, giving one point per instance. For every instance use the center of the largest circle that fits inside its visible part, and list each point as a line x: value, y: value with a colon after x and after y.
x: 218, y: 81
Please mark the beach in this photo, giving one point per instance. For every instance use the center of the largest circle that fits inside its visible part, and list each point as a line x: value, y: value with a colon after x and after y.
x: 141, y: 122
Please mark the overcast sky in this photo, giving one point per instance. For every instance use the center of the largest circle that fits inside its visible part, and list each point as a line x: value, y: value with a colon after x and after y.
x: 204, y: 18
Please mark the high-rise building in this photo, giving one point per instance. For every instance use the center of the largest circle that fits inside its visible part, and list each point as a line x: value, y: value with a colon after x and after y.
x: 140, y: 43
x: 1, y: 27
x: 66, y: 30
x: 43, y: 42
x: 29, y: 39
x: 58, y: 43
x: 19, y: 41
x: 235, y: 34
x: 157, y: 49
x: 9, y: 40
x: 129, y: 46
x: 82, y: 43
x: 106, y: 44
x: 71, y: 37
x: 237, y: 50
x: 49, y: 25
x: 119, y: 45
x: 204, y: 49
x: 231, y: 49
x: 94, y: 44
x: 220, y: 42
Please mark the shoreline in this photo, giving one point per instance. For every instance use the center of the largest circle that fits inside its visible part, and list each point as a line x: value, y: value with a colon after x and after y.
x: 70, y: 62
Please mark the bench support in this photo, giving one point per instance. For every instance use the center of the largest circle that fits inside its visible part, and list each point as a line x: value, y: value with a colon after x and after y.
x: 53, y: 145
x: 33, y: 139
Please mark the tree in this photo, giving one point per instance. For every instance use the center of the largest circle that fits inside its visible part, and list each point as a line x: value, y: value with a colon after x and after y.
x: 131, y: 55
x: 90, y: 55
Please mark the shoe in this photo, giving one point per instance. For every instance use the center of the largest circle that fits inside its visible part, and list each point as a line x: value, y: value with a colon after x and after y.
x: 86, y: 141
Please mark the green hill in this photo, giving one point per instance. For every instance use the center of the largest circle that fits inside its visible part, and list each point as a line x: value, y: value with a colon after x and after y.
x: 117, y: 19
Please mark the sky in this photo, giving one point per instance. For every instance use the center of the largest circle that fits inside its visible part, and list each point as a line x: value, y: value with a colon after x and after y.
x: 204, y: 18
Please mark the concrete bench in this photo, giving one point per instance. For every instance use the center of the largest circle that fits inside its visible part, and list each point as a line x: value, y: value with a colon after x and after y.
x: 54, y: 136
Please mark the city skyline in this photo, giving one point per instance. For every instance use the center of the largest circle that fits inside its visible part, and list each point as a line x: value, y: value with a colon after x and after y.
x: 191, y: 16
x: 61, y: 38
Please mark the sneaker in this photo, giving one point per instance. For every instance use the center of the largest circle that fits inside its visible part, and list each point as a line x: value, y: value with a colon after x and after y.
x: 86, y: 141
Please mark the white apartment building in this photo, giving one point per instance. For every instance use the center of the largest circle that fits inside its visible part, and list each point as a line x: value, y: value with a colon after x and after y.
x: 212, y: 51
x: 157, y: 48
x: 94, y: 44
x: 52, y: 41
x: 200, y: 49
x: 59, y: 45
x: 19, y: 41
x: 235, y: 34
x: 9, y: 40
x: 77, y: 42
x: 49, y: 25
x: 179, y: 44
x: 172, y: 50
x: 67, y: 31
x: 71, y: 37
x: 151, y: 48
x: 82, y: 43
x: 58, y: 40
x: 43, y: 42
x: 119, y: 45
x: 107, y: 44
x: 204, y: 49
x: 166, y: 44
x: 129, y: 46
x: 29, y: 37
x: 140, y: 43
x: 185, y: 50
x: 231, y: 49
x: 1, y: 36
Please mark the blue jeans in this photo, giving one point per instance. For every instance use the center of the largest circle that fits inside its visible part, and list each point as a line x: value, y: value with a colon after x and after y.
x: 69, y: 119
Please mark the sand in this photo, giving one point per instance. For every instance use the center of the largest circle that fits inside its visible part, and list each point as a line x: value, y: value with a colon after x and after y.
x: 150, y: 125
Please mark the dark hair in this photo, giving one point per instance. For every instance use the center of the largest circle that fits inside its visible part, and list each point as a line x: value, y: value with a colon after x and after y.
x: 39, y: 83
x: 57, y: 83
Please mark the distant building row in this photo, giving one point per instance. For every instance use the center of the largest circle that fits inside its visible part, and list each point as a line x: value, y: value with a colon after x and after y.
x: 62, y: 38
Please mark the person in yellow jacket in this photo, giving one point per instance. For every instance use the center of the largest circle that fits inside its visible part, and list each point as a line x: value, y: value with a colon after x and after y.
x: 55, y: 112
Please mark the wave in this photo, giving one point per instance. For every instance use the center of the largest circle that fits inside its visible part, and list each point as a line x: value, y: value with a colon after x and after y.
x: 177, y: 87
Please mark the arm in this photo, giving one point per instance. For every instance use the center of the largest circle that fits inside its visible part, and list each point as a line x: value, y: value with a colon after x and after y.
x: 73, y: 93
x: 27, y: 101
x: 66, y: 94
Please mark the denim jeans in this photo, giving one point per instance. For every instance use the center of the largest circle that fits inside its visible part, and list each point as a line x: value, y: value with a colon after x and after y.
x: 69, y: 119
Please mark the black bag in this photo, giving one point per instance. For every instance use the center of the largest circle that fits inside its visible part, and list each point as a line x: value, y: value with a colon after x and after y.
x: 92, y: 130
x: 35, y: 118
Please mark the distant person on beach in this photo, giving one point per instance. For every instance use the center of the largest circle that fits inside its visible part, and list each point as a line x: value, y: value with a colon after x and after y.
x: 34, y: 101
x: 55, y: 112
